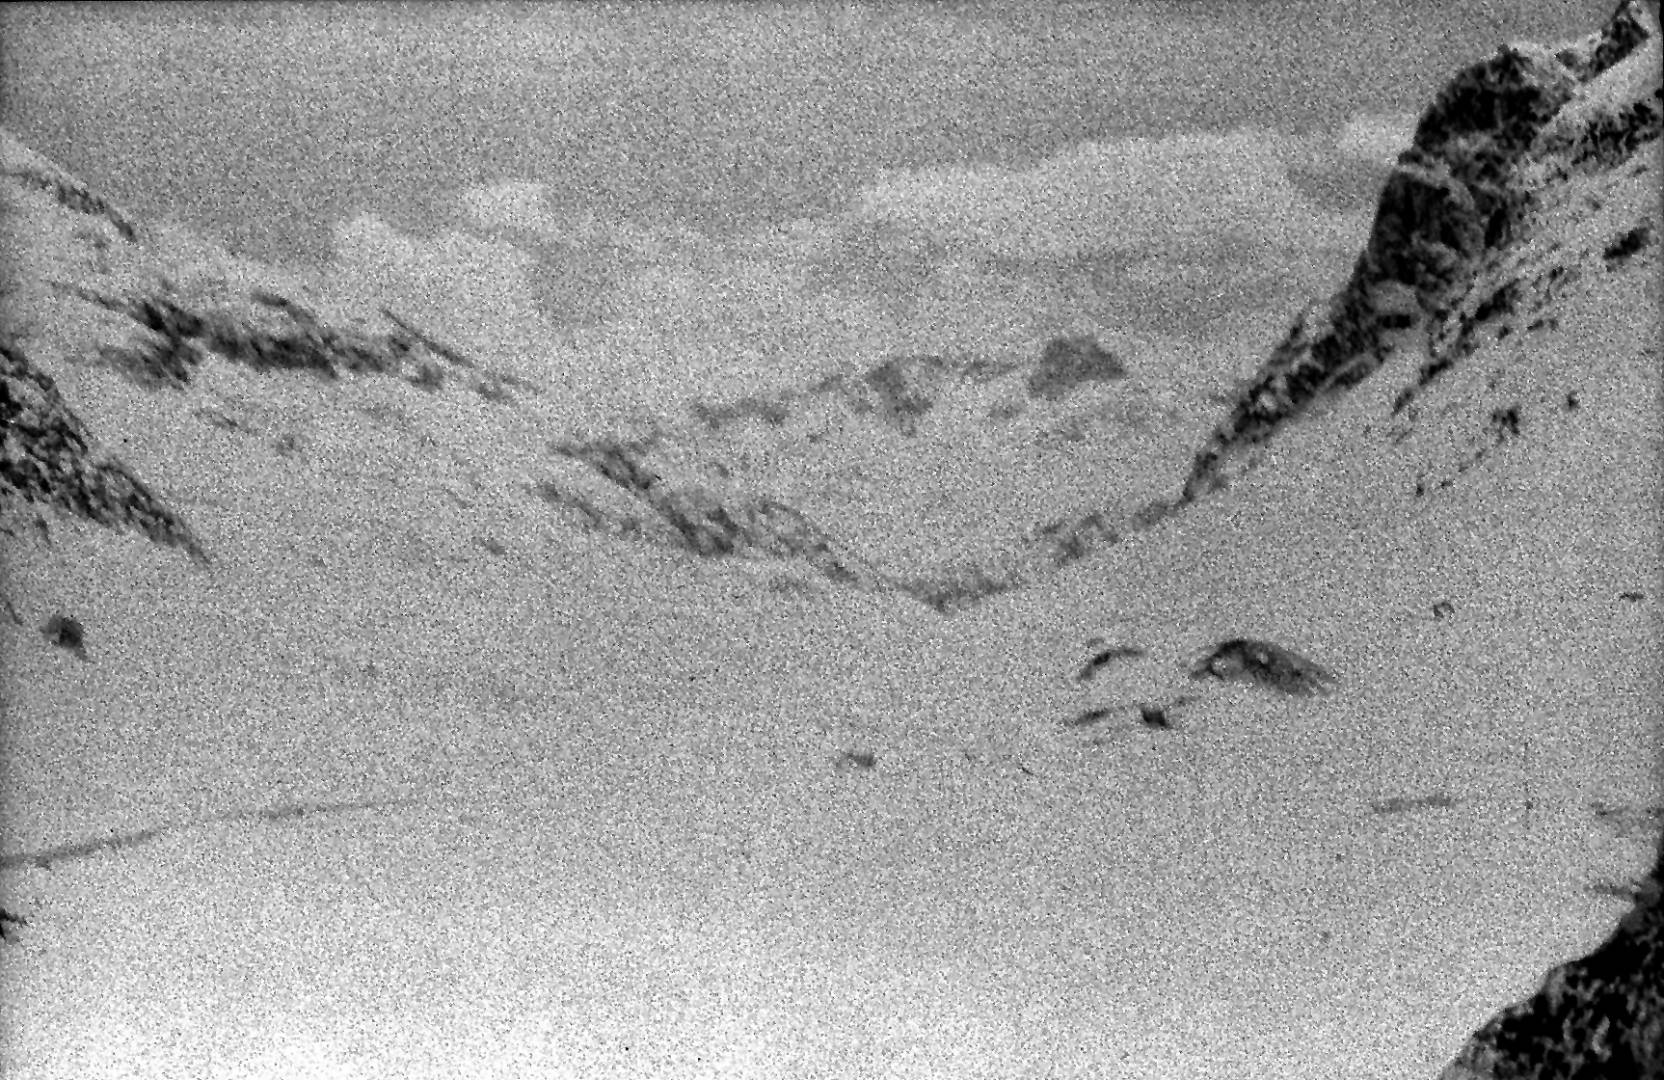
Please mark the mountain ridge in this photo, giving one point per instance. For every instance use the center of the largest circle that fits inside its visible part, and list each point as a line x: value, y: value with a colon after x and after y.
x: 1453, y: 197
x: 256, y: 406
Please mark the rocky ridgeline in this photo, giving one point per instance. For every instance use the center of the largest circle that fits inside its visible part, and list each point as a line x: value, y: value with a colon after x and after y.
x: 679, y: 490
x: 902, y: 390
x: 26, y: 167
x: 1455, y: 197
x: 1598, y: 1017
x: 266, y: 332
x: 646, y: 496
x: 48, y: 458
x: 693, y: 515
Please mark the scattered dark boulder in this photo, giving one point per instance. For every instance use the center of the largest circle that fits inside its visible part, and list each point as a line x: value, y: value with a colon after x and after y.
x: 1154, y: 716
x: 9, y: 923
x: 854, y: 760
x: 1628, y: 243
x: 1263, y: 664
x: 66, y: 632
x: 1443, y: 609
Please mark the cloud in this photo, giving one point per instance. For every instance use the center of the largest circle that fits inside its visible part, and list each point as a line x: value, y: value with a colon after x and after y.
x: 1377, y: 138
x: 1129, y: 195
x: 508, y: 204
x: 453, y: 269
x: 479, y: 290
x: 520, y: 206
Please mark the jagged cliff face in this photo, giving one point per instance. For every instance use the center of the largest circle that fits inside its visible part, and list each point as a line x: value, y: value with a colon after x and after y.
x: 1489, y: 149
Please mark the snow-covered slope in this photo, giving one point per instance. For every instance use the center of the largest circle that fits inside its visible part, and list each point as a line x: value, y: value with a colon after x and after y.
x: 422, y: 769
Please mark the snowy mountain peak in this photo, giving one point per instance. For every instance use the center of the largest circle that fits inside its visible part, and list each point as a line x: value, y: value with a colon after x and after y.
x: 1454, y: 204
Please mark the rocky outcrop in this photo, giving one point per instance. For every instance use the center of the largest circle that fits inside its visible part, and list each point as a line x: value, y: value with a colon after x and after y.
x: 1264, y: 664
x: 47, y: 457
x: 270, y: 332
x: 1124, y: 684
x: 1598, y: 1017
x: 702, y: 520
x: 905, y: 388
x: 34, y: 171
x: 1067, y: 362
x: 1455, y: 195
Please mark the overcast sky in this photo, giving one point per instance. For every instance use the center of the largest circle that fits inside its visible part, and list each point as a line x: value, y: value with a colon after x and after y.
x: 837, y: 177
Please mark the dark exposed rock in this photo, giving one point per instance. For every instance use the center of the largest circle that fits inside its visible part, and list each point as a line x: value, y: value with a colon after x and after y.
x: 47, y: 457
x: 704, y: 521
x: 1067, y: 362
x: 288, y: 337
x: 65, y: 632
x: 1455, y: 196
x: 1623, y: 32
x: 69, y: 192
x: 9, y: 923
x: 905, y: 387
x: 1060, y: 543
x: 854, y: 761
x: 1626, y: 245
x: 959, y: 586
x: 490, y: 385
x: 1154, y: 716
x: 1597, y: 1018
x: 1106, y: 656
x: 1262, y: 663
x: 1615, y: 136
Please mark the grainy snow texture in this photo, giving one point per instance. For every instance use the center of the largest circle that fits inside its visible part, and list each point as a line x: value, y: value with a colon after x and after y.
x: 939, y: 721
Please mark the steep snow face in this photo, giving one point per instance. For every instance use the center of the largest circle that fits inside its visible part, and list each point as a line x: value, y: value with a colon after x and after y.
x: 417, y: 778
x: 1453, y: 206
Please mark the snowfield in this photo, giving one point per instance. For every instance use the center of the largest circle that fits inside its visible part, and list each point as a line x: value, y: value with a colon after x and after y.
x: 421, y: 777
